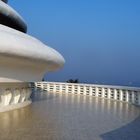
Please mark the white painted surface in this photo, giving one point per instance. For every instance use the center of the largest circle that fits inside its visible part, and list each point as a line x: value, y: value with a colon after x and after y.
x: 24, y: 58
x: 14, y: 95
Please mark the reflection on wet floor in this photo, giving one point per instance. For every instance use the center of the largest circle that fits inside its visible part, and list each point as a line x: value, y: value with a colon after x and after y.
x: 56, y: 116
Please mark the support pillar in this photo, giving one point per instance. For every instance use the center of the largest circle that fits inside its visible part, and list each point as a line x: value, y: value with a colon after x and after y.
x: 6, y: 97
x: 85, y: 90
x: 133, y: 97
x: 90, y: 91
x: 109, y: 93
x: 115, y: 94
x: 103, y: 93
x: 78, y: 89
x: 16, y: 96
x: 96, y: 91
x: 127, y: 96
x: 72, y: 89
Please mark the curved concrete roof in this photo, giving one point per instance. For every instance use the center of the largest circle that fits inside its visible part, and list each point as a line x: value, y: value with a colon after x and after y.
x: 23, y: 46
x: 22, y: 54
x: 11, y: 18
x: 5, y: 1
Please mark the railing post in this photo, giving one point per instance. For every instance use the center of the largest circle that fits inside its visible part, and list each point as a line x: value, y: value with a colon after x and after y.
x: 72, y: 89
x: 35, y: 86
x: 48, y: 86
x: 60, y: 88
x: 115, y: 94
x: 85, y: 90
x: 66, y: 87
x: 127, y: 96
x: 90, y: 91
x: 103, y: 93
x: 121, y: 95
x: 42, y: 85
x: 133, y: 97
x: 78, y: 89
x: 54, y: 87
x: 96, y: 91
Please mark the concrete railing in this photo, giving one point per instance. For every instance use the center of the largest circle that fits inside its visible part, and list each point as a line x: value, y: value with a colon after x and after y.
x: 117, y: 93
x: 14, y: 95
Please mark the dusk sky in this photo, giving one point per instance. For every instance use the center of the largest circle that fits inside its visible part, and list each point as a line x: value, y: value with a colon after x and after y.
x: 99, y: 39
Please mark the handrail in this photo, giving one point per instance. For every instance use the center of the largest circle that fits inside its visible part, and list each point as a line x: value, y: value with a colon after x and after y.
x: 117, y: 93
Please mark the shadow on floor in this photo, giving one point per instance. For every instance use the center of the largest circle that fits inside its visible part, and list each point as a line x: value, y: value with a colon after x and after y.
x: 127, y: 132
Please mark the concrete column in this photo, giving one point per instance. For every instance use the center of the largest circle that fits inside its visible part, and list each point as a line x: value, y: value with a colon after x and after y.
x: 60, y: 88
x: 90, y: 91
x: 42, y: 86
x: 121, y: 95
x: 115, y: 94
x: 54, y: 87
x: 66, y: 88
x: 6, y: 97
x: 78, y: 89
x: 96, y: 91
x: 72, y: 88
x: 85, y: 91
x: 16, y: 96
x: 13, y: 95
x: 48, y: 87
x: 35, y: 86
x: 103, y: 93
x: 133, y: 97
x: 127, y: 96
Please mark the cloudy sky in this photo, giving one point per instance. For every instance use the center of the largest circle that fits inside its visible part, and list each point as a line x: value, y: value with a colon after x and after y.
x: 99, y: 39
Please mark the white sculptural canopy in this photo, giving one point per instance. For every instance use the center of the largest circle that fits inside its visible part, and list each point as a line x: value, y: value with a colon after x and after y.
x: 5, y: 1
x: 25, y: 58
x: 9, y: 17
x: 22, y: 57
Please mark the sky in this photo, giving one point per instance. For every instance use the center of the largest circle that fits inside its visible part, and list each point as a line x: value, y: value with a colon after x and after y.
x: 99, y: 39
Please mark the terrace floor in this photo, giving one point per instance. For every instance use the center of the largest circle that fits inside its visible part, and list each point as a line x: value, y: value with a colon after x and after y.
x: 55, y: 116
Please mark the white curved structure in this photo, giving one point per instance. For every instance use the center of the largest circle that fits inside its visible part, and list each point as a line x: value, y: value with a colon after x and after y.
x: 117, y: 93
x: 14, y: 95
x: 22, y: 59
x: 10, y: 18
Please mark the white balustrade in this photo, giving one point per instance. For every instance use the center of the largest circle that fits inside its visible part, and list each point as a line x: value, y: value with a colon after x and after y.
x: 117, y: 93
x: 16, y: 95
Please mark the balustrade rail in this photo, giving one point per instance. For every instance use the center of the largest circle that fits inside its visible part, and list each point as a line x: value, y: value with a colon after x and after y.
x: 118, y: 93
